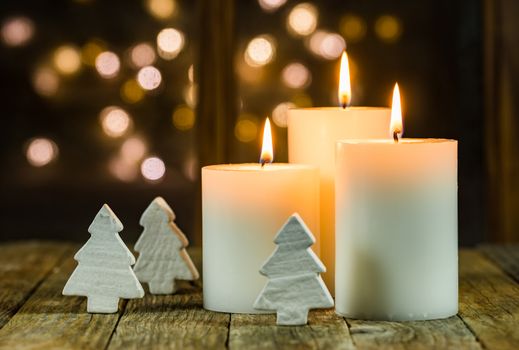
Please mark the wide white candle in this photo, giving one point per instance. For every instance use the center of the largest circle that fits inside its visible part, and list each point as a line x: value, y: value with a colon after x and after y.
x: 243, y: 207
x: 312, y: 134
x: 396, y: 233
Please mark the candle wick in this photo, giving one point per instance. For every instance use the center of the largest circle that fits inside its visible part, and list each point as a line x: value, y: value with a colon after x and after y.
x: 395, y: 135
x: 344, y: 104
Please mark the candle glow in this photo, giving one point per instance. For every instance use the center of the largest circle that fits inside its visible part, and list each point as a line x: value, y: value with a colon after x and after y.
x: 396, y: 126
x: 267, y: 152
x: 344, y: 82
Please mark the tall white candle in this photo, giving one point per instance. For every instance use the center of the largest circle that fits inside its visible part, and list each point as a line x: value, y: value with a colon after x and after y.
x: 396, y: 234
x: 312, y: 134
x: 243, y: 207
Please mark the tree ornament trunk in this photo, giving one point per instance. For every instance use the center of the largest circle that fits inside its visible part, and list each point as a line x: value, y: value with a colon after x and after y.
x: 102, y: 304
x: 292, y: 317
x: 162, y: 287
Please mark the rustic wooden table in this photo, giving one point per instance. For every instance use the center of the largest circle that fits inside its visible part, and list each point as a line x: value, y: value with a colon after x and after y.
x: 34, y: 314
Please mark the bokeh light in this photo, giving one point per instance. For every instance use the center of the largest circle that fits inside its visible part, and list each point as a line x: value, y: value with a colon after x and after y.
x: 17, y: 31
x: 131, y: 91
x: 170, y: 42
x: 91, y: 50
x: 191, y: 168
x: 388, y: 28
x: 246, y: 129
x: 133, y: 150
x: 107, y: 64
x: 142, y: 55
x: 191, y: 74
x: 280, y: 113
x: 302, y: 19
x: 41, y: 151
x: 67, y: 59
x: 123, y: 170
x: 45, y: 81
x: 115, y: 121
x: 302, y: 100
x: 260, y: 51
x: 296, y: 76
x: 153, y: 168
x: 326, y: 45
x: 271, y: 5
x: 161, y: 9
x: 149, y: 78
x: 190, y: 95
x: 353, y: 28
x: 183, y: 118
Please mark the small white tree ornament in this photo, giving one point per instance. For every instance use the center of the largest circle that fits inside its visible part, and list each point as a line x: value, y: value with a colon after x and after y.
x: 104, y: 273
x: 294, y: 284
x: 162, y: 254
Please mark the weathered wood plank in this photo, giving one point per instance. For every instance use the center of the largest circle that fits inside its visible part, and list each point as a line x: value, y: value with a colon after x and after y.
x: 325, y: 330
x: 171, y: 322
x: 52, y: 321
x: 505, y: 256
x: 489, y: 302
x: 23, y: 265
x: 449, y: 333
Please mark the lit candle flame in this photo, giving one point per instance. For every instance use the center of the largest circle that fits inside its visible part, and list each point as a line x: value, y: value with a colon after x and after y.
x: 344, y: 82
x: 396, y: 126
x: 267, y: 152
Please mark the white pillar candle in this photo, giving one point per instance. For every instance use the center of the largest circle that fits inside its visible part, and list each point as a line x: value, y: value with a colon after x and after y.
x: 396, y: 233
x: 312, y: 134
x: 243, y: 207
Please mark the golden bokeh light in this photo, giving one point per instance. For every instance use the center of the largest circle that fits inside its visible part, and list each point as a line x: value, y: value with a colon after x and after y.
x: 131, y: 91
x: 246, y: 129
x: 353, y: 28
x: 326, y: 45
x: 260, y: 51
x: 67, y: 59
x: 388, y: 28
x: 45, y: 81
x: 133, y: 150
x: 91, y: 50
x: 115, y: 121
x: 302, y: 100
x: 153, y: 168
x: 190, y: 96
x: 107, y: 64
x: 149, y: 78
x: 191, y: 168
x: 280, y: 114
x: 170, y: 42
x: 142, y: 55
x: 161, y: 9
x: 296, y: 76
x: 302, y: 19
x: 41, y: 151
x: 271, y: 5
x: 123, y: 170
x: 191, y: 74
x: 17, y: 31
x: 183, y: 118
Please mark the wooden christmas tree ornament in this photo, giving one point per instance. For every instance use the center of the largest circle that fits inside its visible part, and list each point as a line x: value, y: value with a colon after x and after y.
x: 162, y: 254
x: 294, y: 284
x: 104, y: 273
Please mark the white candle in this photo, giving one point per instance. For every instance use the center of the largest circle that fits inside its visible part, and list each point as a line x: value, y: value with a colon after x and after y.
x: 396, y: 233
x: 243, y: 207
x: 312, y: 134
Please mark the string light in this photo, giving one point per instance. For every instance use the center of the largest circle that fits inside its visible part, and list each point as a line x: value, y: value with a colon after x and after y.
x: 353, y: 28
x: 142, y: 55
x: 45, y: 81
x: 122, y: 170
x: 67, y: 59
x: 133, y: 150
x: 246, y: 129
x: 271, y: 5
x: 326, y: 45
x: 91, y: 50
x: 170, y: 42
x: 190, y: 74
x: 280, y: 113
x: 17, y: 31
x: 153, y: 168
x: 41, y: 151
x: 149, y: 78
x: 183, y: 118
x: 302, y: 19
x: 388, y: 28
x: 296, y: 76
x: 260, y: 51
x: 161, y: 9
x: 115, y: 121
x: 131, y: 91
x: 190, y: 95
x: 107, y: 64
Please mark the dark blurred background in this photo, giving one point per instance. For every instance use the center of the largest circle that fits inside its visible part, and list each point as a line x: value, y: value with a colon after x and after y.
x: 121, y: 101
